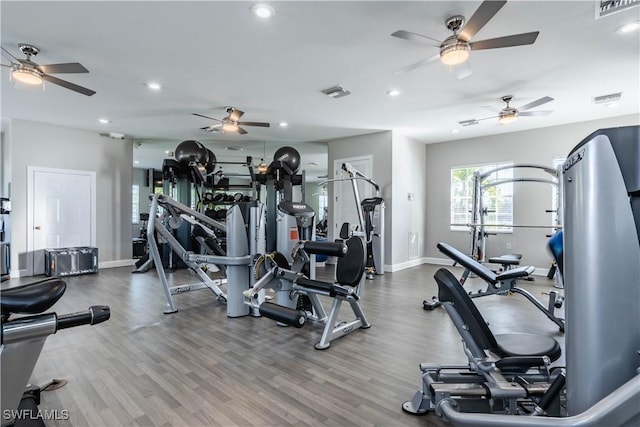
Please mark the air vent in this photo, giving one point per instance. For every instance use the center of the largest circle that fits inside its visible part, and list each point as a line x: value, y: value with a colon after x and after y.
x: 607, y: 99
x: 469, y: 122
x: 336, y: 92
x: 608, y: 7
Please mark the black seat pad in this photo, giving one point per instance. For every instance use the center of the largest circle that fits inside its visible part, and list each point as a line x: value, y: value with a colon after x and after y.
x: 506, y: 259
x: 527, y: 345
x: 32, y: 298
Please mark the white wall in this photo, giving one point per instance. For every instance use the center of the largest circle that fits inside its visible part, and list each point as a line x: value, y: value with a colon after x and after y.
x: 409, y: 223
x: 539, y: 146
x: 37, y: 144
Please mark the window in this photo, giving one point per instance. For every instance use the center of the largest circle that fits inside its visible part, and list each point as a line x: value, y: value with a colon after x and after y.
x: 135, y: 204
x: 323, y: 201
x: 557, y: 162
x: 498, y: 200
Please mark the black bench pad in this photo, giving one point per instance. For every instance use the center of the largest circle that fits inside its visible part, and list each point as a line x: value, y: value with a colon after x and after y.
x: 32, y: 298
x: 527, y: 345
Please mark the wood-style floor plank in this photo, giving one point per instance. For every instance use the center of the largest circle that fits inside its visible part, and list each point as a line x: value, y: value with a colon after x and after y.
x: 197, y: 367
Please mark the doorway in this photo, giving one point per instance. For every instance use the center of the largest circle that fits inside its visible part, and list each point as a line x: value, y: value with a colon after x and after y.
x: 61, y: 212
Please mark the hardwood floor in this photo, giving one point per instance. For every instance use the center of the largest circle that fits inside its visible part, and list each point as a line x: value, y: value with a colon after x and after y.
x: 199, y: 367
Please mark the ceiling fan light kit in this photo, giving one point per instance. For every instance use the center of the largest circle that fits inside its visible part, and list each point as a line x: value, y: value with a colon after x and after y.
x: 508, y: 115
x: 26, y: 75
x: 454, y: 52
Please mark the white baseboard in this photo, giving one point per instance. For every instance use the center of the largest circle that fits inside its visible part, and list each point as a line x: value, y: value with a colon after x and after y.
x: 18, y: 273
x: 439, y: 261
x: 117, y: 263
x: 406, y: 264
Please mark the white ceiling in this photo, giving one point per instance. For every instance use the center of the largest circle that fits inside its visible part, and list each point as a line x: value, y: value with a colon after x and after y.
x: 208, y: 55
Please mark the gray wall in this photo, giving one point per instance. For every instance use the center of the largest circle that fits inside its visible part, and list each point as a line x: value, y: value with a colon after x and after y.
x: 378, y: 145
x: 409, y: 180
x: 37, y: 144
x: 539, y: 146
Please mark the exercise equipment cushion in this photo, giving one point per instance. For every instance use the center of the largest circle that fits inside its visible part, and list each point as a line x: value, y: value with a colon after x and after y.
x: 526, y: 345
x: 350, y: 268
x: 32, y: 298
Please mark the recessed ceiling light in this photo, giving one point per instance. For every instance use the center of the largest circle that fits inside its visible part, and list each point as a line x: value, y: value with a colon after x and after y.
x: 393, y: 92
x: 283, y: 124
x: 104, y: 121
x: 136, y: 162
x: 630, y: 27
x: 455, y: 130
x: 154, y: 85
x: 234, y: 148
x: 262, y: 10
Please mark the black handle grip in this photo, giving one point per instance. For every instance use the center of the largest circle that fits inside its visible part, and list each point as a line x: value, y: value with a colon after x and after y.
x: 94, y: 315
x: 325, y: 248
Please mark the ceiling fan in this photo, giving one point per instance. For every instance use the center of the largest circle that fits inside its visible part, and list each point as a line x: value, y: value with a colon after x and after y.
x: 510, y: 114
x: 27, y: 71
x: 230, y: 123
x: 454, y: 50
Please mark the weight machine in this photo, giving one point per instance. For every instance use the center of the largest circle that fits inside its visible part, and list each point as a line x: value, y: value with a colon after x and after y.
x: 510, y: 382
x: 505, y: 283
x: 478, y: 211
x: 370, y: 213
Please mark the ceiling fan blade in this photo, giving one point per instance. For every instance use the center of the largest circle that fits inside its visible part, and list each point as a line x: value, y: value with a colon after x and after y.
x: 206, y: 117
x: 481, y: 16
x: 418, y: 64
x: 507, y: 41
x: 235, y: 115
x: 462, y: 70
x: 68, y: 85
x: 469, y: 122
x: 9, y: 54
x: 535, y: 113
x: 414, y: 37
x: 69, y: 67
x: 536, y: 103
x: 241, y: 131
x: 261, y: 124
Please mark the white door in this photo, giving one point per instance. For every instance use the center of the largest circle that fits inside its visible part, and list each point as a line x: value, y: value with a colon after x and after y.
x: 344, y: 207
x: 62, y: 211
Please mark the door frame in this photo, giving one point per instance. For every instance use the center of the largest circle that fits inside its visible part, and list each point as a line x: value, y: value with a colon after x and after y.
x: 31, y: 171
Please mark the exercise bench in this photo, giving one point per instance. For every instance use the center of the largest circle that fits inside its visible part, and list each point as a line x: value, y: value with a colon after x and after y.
x: 500, y: 284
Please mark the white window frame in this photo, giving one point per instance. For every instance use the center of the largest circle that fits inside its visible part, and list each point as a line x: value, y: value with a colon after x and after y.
x: 557, y: 162
x: 504, y: 191
x: 135, y: 204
